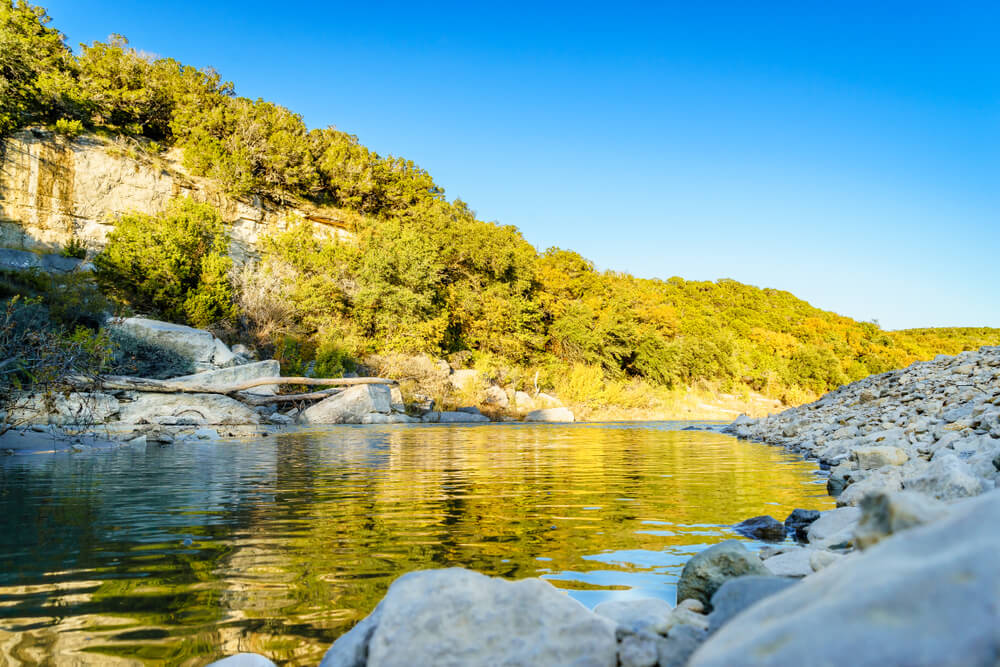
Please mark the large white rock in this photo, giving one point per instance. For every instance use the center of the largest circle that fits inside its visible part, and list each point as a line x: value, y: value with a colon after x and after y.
x: 832, y: 522
x: 351, y: 406
x: 927, y: 596
x: 792, y: 563
x: 879, y: 456
x: 186, y: 409
x: 497, y: 396
x: 946, y: 478
x: 885, y: 514
x: 199, y: 346
x: 225, y: 377
x: 459, y: 618
x: 550, y: 415
x: 646, y: 614
x: 76, y: 408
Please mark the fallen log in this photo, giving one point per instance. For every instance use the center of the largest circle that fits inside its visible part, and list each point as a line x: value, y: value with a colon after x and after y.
x: 125, y: 383
x: 256, y: 399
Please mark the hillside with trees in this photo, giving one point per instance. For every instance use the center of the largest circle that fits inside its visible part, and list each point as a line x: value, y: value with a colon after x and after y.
x: 423, y: 274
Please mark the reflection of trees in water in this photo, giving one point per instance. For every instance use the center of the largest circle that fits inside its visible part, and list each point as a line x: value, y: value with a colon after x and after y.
x: 298, y: 537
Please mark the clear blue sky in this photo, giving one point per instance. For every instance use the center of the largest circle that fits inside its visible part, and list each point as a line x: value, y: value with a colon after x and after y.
x: 848, y: 153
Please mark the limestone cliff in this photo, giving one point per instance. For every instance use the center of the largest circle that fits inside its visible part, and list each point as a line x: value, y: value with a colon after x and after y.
x: 53, y: 189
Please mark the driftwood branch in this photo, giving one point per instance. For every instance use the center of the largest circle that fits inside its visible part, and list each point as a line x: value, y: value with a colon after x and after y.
x: 254, y: 399
x: 124, y: 383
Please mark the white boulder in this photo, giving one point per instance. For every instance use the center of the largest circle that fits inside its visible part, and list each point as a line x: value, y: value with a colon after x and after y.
x: 351, y: 406
x: 456, y: 617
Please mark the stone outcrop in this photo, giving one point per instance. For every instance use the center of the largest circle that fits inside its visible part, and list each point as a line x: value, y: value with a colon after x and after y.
x: 933, y: 427
x: 184, y: 409
x: 54, y: 190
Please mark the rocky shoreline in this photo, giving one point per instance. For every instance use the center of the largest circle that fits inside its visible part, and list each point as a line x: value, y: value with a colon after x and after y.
x: 904, y: 571
x: 105, y: 412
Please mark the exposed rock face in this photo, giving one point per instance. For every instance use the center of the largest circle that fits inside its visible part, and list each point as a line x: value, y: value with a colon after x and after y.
x: 927, y: 596
x: 74, y: 408
x: 23, y: 260
x: 933, y: 427
x: 174, y: 409
x: 709, y: 569
x: 550, y: 415
x: 351, y: 406
x: 457, y: 617
x: 53, y: 190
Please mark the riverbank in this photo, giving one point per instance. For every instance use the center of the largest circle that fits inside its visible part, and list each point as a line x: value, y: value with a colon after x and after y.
x: 903, y: 572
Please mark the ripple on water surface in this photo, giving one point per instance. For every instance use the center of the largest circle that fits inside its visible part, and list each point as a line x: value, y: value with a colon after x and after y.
x: 187, y: 553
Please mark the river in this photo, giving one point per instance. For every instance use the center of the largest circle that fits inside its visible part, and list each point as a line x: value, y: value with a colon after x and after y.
x: 185, y: 553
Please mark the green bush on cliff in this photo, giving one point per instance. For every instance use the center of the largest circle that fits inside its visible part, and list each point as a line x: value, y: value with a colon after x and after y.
x: 174, y: 265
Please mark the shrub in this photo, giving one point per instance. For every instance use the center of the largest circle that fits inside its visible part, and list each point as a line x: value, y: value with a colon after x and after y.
x: 333, y: 360
x: 69, y: 128
x: 174, y: 265
x: 37, y: 355
x: 75, y: 249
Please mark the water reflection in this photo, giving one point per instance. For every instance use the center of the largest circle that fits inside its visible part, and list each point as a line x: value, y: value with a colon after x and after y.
x: 183, y: 554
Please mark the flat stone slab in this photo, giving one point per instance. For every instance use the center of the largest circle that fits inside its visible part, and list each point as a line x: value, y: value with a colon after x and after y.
x: 234, y: 375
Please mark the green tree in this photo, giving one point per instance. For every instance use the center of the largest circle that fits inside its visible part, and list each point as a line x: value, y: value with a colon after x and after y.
x: 36, y: 68
x: 174, y: 265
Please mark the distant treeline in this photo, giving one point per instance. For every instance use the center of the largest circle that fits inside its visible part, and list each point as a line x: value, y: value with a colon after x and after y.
x: 424, y: 275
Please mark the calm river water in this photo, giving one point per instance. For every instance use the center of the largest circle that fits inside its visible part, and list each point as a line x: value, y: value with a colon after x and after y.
x: 186, y: 553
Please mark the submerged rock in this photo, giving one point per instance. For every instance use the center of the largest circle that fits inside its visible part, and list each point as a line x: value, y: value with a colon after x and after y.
x: 458, y: 617
x: 764, y: 528
x: 927, y: 596
x: 798, y: 522
x: 707, y: 570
